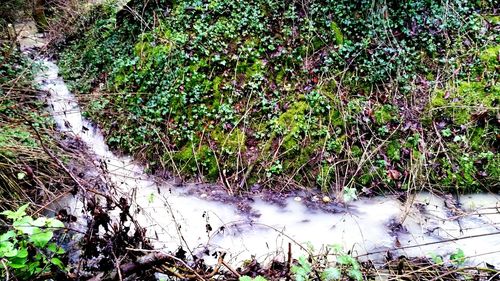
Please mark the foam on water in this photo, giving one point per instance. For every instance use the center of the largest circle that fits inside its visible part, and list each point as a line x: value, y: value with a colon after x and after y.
x: 173, y: 218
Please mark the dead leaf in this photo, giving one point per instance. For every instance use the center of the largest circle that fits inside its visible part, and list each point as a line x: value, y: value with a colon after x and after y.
x: 394, y: 174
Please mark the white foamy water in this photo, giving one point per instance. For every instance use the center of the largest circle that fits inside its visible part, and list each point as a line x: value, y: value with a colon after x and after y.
x: 173, y: 218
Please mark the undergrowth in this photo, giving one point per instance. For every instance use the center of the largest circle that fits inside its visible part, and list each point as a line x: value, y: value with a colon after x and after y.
x: 335, y: 95
x: 28, y: 173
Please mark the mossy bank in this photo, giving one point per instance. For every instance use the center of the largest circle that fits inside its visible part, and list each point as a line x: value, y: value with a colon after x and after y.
x: 342, y: 96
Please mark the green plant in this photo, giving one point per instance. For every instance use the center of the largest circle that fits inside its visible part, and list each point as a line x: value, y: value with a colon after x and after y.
x: 302, y: 270
x: 458, y: 258
x: 323, y: 85
x: 344, y: 266
x: 26, y: 247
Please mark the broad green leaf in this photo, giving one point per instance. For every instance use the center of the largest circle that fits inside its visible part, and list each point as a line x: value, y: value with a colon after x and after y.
x: 350, y: 194
x: 301, y: 276
x: 41, y: 238
x: 7, y: 249
x: 331, y: 274
x: 54, y: 223
x: 53, y: 247
x: 57, y: 262
x: 34, y: 267
x: 259, y: 278
x: 7, y: 236
x: 17, y: 265
x: 14, y: 215
x: 245, y: 278
x: 39, y: 222
x: 22, y: 253
x: 24, y: 225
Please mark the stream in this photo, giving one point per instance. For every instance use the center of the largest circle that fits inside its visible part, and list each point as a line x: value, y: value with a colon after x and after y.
x: 369, y: 227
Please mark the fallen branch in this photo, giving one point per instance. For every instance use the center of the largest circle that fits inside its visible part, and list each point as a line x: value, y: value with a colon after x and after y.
x: 142, y: 263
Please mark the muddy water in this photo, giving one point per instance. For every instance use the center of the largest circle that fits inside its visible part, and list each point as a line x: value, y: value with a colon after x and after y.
x: 422, y: 226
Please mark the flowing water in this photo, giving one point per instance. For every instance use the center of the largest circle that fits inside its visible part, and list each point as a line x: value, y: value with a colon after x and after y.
x: 420, y: 227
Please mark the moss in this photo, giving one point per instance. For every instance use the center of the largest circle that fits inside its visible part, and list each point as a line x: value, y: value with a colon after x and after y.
x: 393, y: 150
x: 493, y: 169
x: 279, y: 76
x: 339, y: 36
x: 335, y: 145
x: 490, y: 57
x: 216, y: 84
x: 291, y: 121
x: 365, y: 179
x: 336, y: 118
x: 195, y: 159
x: 438, y: 99
x: 495, y: 20
x: 254, y: 69
x: 356, y: 151
x: 299, y: 159
x: 465, y: 99
x: 477, y: 139
x: 384, y: 114
x: 318, y: 43
x: 230, y: 143
x: 197, y: 66
x: 16, y: 136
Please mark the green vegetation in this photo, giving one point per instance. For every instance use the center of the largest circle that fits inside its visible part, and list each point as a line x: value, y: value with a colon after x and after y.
x: 335, y: 95
x: 27, y: 249
x: 27, y: 172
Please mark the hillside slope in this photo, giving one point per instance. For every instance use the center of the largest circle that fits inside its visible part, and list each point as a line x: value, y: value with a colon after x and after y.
x: 343, y: 96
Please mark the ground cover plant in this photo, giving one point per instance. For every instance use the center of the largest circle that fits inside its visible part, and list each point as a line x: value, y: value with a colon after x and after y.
x: 341, y: 96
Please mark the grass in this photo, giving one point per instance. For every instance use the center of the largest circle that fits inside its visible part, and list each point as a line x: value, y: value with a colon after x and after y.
x: 29, y: 170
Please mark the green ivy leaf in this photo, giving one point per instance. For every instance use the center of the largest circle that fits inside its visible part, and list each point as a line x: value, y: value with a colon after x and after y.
x: 346, y: 260
x: 40, y: 238
x: 57, y: 262
x: 337, y: 248
x: 446, y: 132
x: 39, y: 222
